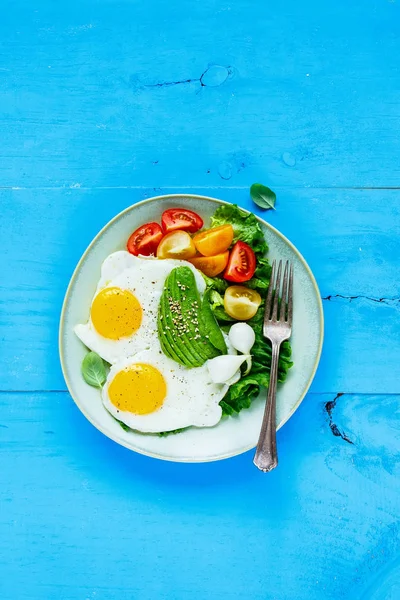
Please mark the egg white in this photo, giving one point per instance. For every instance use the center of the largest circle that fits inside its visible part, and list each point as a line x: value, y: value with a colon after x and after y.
x: 144, y: 278
x: 192, y: 398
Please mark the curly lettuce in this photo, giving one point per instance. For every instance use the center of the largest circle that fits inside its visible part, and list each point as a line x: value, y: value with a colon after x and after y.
x: 261, y: 277
x: 241, y: 394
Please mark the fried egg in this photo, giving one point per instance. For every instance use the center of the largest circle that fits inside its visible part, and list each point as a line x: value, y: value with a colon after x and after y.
x: 123, y: 313
x: 151, y: 393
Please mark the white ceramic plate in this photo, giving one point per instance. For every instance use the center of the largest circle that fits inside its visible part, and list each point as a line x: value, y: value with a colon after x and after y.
x: 233, y: 435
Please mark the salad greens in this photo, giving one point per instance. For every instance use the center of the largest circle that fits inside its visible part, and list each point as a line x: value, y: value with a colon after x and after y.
x: 217, y: 306
x: 261, y: 277
x: 241, y: 394
x: 216, y: 283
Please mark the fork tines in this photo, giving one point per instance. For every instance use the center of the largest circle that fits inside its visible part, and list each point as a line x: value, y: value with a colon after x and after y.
x: 280, y: 298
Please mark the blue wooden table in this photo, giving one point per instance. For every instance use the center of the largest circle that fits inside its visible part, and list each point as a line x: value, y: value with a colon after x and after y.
x: 104, y: 103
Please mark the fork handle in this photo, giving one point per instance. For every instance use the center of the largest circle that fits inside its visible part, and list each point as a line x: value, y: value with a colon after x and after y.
x: 266, y: 456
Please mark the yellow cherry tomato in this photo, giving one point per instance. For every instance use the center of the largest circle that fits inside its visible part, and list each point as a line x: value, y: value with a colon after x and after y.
x: 214, y: 241
x: 241, y: 302
x: 211, y: 265
x: 177, y: 244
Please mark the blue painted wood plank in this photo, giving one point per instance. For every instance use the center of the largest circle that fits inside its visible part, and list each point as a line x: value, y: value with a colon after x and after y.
x: 126, y: 97
x: 130, y: 93
x: 324, y: 525
x: 351, y: 241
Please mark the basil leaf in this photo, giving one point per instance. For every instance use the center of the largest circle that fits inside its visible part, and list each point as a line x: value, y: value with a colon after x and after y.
x: 263, y: 196
x: 94, y: 370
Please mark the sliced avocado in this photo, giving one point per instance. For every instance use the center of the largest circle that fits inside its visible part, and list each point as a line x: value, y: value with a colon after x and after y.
x: 186, y: 325
x: 163, y: 322
x: 166, y: 347
x: 189, y: 300
x: 164, y: 342
x: 210, y: 325
x: 174, y: 325
x: 184, y: 322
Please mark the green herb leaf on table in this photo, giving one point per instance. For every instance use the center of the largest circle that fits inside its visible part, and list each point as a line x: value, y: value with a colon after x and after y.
x: 94, y: 370
x: 263, y: 196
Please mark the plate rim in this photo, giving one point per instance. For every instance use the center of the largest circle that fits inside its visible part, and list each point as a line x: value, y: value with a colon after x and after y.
x: 66, y: 300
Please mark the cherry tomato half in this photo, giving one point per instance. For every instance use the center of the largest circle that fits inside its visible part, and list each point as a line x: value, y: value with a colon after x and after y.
x: 242, y: 263
x: 210, y: 265
x: 145, y: 239
x: 240, y: 302
x: 214, y: 241
x: 177, y: 244
x: 182, y: 219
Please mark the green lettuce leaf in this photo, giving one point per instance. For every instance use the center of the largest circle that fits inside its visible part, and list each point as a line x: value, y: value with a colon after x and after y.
x: 216, y: 283
x: 245, y: 226
x: 241, y: 394
x: 260, y: 280
x: 217, y: 306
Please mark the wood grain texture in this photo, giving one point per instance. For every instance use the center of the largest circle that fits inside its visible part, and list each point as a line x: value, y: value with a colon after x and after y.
x: 101, y: 93
x: 351, y: 246
x: 104, y: 103
x: 322, y: 526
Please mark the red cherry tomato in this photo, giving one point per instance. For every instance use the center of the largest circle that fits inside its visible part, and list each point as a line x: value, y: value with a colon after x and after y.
x: 242, y: 263
x: 145, y: 239
x: 181, y: 218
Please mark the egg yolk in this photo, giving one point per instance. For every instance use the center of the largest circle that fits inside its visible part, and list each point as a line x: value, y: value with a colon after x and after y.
x: 116, y: 313
x: 138, y: 389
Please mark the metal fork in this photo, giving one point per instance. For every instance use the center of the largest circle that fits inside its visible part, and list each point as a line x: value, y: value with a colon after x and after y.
x: 277, y: 330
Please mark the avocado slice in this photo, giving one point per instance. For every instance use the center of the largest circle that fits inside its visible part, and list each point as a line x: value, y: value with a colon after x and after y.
x: 164, y: 342
x: 185, y: 320
x: 188, y: 331
x: 163, y: 322
x: 189, y: 300
x: 210, y: 325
